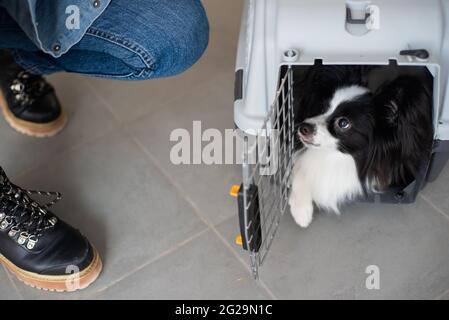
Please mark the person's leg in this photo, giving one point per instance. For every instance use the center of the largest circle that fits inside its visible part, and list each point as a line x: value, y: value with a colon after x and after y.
x: 11, y: 36
x: 134, y: 40
x: 36, y: 246
x: 131, y: 40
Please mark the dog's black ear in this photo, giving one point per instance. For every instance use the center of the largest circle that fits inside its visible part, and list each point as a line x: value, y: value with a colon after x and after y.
x: 387, y: 99
x: 390, y: 113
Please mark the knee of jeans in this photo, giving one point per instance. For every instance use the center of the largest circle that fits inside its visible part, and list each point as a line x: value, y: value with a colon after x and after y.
x: 184, y: 42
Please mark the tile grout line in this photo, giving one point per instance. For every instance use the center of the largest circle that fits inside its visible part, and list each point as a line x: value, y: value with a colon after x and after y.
x: 197, y: 212
x: 160, y: 106
x: 169, y: 251
x: 261, y: 283
x: 77, y: 146
x: 158, y: 257
x: 434, y: 206
x: 150, y: 157
x: 12, y: 282
x: 441, y: 295
x: 103, y: 102
x: 64, y: 152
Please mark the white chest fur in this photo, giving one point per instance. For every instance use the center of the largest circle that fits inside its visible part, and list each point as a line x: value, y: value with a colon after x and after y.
x: 325, y: 177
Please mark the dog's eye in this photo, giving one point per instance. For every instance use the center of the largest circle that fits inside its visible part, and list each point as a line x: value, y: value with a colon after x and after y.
x: 343, y: 123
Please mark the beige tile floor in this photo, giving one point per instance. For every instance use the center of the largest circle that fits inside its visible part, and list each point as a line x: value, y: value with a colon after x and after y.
x: 168, y: 231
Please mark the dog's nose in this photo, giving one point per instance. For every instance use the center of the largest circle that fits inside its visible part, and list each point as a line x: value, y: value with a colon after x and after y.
x: 306, y: 129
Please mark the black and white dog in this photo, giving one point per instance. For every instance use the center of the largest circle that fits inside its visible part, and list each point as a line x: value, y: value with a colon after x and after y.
x: 356, y: 141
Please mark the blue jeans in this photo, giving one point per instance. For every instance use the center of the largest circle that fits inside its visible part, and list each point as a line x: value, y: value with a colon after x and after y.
x: 131, y: 40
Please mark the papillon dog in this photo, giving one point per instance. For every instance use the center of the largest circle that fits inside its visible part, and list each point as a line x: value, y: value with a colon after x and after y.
x: 355, y: 141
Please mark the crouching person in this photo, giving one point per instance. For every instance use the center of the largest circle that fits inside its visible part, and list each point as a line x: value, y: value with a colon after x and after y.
x: 127, y: 40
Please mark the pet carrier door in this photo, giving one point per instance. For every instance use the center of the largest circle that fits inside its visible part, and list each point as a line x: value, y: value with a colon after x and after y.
x: 267, y: 164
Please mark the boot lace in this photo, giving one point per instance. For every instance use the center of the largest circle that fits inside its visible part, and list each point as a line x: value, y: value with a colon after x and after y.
x: 21, y: 215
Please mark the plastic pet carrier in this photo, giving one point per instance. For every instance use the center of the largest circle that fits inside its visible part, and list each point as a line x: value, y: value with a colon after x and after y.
x: 279, y: 39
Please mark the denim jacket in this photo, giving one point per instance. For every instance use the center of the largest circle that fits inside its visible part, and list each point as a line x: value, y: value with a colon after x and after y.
x: 55, y: 26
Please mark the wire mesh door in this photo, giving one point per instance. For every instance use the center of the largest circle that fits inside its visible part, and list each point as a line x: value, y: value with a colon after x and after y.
x: 267, y: 166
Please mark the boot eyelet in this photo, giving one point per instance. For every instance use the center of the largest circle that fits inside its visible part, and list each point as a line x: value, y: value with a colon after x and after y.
x: 5, y: 223
x: 12, y: 233
x: 32, y: 215
x: 53, y: 221
x: 17, y: 87
x: 23, y: 238
x: 32, y: 240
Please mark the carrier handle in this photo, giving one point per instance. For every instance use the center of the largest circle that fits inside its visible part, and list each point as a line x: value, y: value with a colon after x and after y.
x: 350, y: 20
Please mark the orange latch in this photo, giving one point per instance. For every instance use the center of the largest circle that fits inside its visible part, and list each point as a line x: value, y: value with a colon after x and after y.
x: 235, y: 190
x: 238, y: 240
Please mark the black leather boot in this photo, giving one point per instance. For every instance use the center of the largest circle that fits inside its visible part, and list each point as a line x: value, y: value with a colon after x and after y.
x: 29, y: 103
x: 40, y: 249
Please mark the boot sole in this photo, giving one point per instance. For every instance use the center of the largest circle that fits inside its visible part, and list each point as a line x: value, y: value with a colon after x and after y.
x: 37, y: 130
x: 64, y: 283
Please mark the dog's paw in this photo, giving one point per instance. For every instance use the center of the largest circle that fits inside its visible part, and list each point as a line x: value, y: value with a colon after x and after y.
x: 302, y: 214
